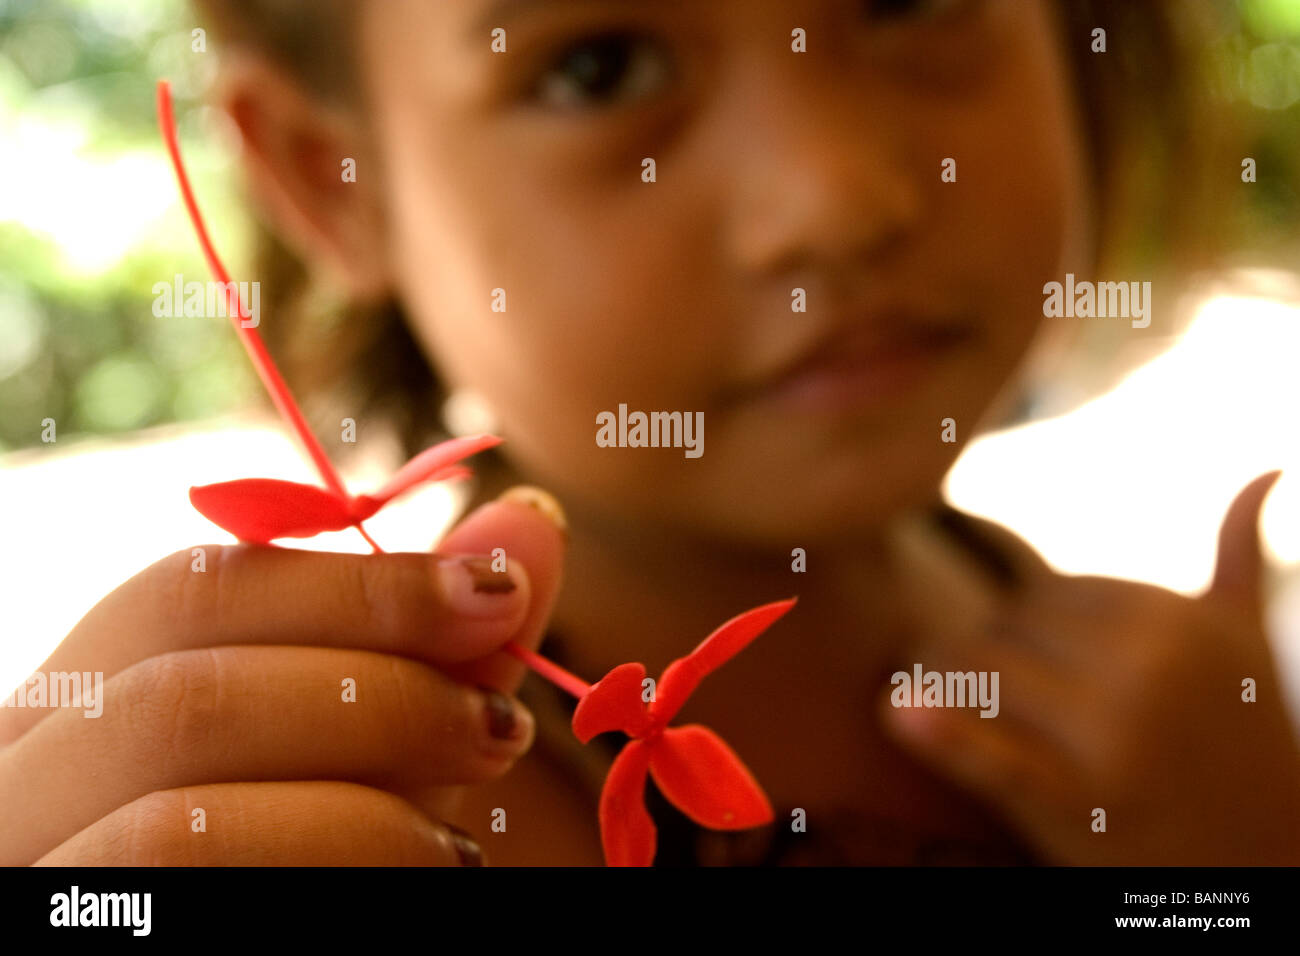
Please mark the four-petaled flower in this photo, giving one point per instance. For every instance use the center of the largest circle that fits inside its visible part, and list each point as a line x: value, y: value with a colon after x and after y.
x: 693, y: 768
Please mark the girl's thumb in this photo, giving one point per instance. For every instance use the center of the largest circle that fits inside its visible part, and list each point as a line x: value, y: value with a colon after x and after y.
x: 1239, y: 565
x: 525, y: 527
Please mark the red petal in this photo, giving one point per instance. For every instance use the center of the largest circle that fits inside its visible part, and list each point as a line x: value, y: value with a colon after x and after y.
x: 613, y: 703
x: 683, y: 675
x: 705, y: 779
x: 364, y: 506
x: 432, y: 464
x: 452, y: 473
x: 626, y: 831
x: 261, y: 509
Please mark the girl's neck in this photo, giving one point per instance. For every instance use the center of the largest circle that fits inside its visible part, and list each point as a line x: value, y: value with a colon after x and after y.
x: 650, y: 594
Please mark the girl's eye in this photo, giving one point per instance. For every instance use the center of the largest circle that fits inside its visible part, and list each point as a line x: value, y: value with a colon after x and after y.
x: 886, y: 10
x: 605, y: 69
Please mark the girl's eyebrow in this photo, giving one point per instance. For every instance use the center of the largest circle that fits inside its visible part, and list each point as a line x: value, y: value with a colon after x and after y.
x: 501, y: 11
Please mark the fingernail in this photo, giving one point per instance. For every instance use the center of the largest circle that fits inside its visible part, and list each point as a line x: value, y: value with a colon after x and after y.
x: 505, y: 718
x: 921, y: 726
x: 470, y: 853
x: 539, y: 500
x: 472, y: 588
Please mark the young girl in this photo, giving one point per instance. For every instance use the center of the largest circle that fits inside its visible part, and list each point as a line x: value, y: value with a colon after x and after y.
x: 914, y: 171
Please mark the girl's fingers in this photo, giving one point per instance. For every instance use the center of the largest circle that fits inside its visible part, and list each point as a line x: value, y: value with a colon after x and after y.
x: 1000, y: 761
x: 429, y: 607
x: 251, y: 713
x: 1022, y: 689
x: 1239, y: 563
x: 954, y: 598
x: 295, y: 823
x: 1001, y: 556
x: 941, y: 591
x: 444, y: 609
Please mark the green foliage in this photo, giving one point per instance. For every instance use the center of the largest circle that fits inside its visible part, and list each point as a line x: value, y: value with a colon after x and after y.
x: 95, y: 223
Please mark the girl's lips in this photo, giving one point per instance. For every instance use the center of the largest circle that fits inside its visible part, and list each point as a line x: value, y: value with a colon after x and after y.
x: 852, y: 374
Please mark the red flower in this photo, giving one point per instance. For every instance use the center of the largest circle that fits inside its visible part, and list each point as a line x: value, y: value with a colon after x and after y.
x: 261, y: 509
x: 694, y: 769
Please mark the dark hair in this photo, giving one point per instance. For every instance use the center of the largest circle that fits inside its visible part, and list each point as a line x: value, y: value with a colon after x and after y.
x: 1148, y: 107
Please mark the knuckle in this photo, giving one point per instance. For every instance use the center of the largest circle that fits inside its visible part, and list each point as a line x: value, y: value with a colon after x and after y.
x: 430, y: 714
x: 363, y: 592
x: 172, y: 701
x: 153, y: 831
x: 175, y: 592
x: 434, y: 715
x: 414, y: 706
x: 393, y: 597
x: 392, y: 821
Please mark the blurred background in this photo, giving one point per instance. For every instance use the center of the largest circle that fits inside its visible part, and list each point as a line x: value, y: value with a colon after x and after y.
x: 1131, y: 484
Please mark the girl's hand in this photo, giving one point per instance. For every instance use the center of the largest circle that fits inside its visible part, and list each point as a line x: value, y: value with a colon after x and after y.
x: 225, y: 691
x: 1114, y: 696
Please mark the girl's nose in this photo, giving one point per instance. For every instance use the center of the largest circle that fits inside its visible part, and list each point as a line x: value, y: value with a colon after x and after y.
x: 823, y: 181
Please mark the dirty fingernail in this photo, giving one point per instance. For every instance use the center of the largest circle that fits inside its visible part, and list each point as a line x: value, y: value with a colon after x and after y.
x: 473, y: 588
x: 506, y: 718
x: 540, y: 500
x: 469, y: 852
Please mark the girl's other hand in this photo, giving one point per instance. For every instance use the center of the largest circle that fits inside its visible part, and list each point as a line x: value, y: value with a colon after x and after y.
x: 1114, y: 696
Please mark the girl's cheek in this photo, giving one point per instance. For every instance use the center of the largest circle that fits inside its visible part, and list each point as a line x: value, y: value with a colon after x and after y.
x: 1028, y: 195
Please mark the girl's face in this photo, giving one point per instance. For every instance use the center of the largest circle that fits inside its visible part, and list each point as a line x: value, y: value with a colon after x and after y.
x: 775, y: 170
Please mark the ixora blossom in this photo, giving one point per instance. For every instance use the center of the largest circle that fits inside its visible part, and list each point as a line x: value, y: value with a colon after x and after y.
x: 691, y: 765
x: 693, y: 768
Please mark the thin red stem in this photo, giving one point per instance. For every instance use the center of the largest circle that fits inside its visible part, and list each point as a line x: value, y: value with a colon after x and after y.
x: 279, y: 390
x: 557, y: 675
x: 270, y: 375
x: 369, y: 540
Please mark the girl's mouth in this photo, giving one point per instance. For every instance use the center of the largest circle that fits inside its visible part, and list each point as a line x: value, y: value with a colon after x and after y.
x: 861, y: 368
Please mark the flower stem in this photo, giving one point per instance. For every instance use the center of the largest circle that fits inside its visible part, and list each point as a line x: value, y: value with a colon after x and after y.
x: 369, y: 540
x: 266, y: 369
x: 279, y: 390
x: 557, y: 675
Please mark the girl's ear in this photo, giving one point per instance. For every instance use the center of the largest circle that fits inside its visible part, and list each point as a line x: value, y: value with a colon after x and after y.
x: 310, y: 173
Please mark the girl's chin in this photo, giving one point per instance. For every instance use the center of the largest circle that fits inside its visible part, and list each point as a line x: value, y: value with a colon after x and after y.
x: 869, y: 471
x: 779, y: 539
x: 821, y: 512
